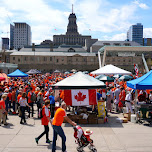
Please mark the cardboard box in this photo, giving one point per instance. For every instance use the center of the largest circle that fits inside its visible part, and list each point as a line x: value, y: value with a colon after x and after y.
x: 93, y: 121
x: 100, y: 121
x: 127, y: 115
x: 124, y: 120
x: 82, y: 121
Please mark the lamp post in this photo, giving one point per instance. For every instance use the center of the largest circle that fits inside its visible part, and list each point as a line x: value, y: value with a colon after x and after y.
x: 33, y: 49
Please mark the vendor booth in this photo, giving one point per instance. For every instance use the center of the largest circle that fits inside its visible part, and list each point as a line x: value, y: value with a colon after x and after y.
x: 110, y: 70
x: 80, y: 91
x: 17, y: 73
x: 142, y: 83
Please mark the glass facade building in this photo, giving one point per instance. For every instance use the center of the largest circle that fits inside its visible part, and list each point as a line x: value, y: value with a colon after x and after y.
x: 5, y: 43
x: 135, y: 33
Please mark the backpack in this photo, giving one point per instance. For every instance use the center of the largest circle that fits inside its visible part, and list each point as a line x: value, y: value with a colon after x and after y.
x: 40, y: 113
x: 33, y: 97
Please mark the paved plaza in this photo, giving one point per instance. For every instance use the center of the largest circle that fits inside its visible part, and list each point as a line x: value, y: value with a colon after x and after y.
x: 109, y: 137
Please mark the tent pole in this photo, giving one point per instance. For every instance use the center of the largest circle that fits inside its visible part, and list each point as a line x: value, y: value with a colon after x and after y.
x: 136, y: 100
x: 99, y: 59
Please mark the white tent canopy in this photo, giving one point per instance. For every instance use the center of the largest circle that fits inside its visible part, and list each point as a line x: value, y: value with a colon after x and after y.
x: 110, y: 69
x: 79, y: 81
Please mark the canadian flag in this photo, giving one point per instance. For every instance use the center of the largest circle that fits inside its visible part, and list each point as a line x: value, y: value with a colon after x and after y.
x: 82, y: 97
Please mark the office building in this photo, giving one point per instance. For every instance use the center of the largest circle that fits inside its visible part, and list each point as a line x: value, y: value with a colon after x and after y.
x: 147, y: 41
x: 11, y: 37
x: 135, y: 33
x: 20, y: 35
x: 5, y: 43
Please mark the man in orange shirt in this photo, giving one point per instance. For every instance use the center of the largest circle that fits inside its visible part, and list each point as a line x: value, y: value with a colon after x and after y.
x: 30, y: 102
x: 60, y: 115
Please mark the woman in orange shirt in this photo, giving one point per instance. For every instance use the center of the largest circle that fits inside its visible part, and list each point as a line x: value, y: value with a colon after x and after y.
x: 45, y: 121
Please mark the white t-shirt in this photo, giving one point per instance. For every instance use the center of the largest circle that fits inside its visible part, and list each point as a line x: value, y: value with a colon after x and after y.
x: 150, y: 97
x: 23, y: 102
x: 46, y: 112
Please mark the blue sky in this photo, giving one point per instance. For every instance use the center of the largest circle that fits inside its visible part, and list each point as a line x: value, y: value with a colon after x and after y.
x: 102, y: 19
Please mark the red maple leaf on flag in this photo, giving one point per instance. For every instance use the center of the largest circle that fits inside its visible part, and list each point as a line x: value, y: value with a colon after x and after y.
x: 80, y: 97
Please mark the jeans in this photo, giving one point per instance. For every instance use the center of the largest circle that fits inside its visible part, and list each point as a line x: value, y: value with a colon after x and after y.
x: 14, y: 106
x: 52, y: 108
x: 57, y: 130
x: 29, y: 111
x: 46, y: 131
x: 23, y: 113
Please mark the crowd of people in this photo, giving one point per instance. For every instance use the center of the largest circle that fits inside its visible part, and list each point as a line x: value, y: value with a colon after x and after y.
x: 20, y: 95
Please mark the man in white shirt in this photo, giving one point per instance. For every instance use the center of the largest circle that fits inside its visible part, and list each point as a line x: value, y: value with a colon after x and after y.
x: 128, y: 100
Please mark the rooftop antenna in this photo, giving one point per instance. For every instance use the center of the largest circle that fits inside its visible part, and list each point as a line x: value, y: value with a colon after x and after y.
x: 72, y: 8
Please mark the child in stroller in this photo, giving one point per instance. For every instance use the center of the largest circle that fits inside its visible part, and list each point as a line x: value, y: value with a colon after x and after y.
x: 83, y: 139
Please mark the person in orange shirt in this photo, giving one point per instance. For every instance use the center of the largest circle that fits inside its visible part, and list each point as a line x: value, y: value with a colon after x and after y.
x: 30, y: 102
x: 3, y: 112
x: 45, y: 121
x: 59, y: 116
x: 13, y: 100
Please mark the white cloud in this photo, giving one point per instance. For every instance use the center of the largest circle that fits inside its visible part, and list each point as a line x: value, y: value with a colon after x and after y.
x: 147, y: 32
x: 141, y: 5
x: 119, y: 37
x: 96, y: 15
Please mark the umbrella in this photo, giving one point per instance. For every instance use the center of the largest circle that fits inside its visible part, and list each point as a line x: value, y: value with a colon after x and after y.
x: 56, y: 71
x: 67, y: 72
x: 126, y: 78
x: 73, y: 70
x: 33, y: 71
x: 99, y: 76
x: 106, y: 78
x: 2, y: 78
x: 117, y: 75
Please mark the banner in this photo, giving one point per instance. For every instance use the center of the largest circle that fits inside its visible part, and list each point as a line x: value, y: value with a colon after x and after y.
x: 81, y: 97
x: 136, y: 70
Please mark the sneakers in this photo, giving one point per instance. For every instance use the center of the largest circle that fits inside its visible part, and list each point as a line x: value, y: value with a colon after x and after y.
x: 48, y: 141
x: 36, y: 140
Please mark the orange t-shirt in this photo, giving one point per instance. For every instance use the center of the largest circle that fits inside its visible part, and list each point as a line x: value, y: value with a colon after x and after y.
x: 45, y: 114
x: 59, y: 117
x: 18, y: 97
x: 2, y: 104
x: 29, y: 97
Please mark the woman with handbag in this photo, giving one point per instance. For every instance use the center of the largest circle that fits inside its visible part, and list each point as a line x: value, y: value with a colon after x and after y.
x: 23, y: 103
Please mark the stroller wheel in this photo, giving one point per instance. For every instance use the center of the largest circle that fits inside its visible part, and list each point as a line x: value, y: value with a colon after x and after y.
x: 80, y: 149
x: 92, y: 148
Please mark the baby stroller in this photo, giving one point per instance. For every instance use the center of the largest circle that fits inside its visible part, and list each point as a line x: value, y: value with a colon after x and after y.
x: 82, y: 140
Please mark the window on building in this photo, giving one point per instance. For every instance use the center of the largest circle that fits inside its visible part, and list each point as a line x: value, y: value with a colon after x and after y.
x: 127, y: 44
x: 106, y: 43
x: 38, y: 58
x: 76, y: 59
x: 57, y: 60
x: 13, y: 58
x: 92, y: 60
x: 32, y: 58
x: 45, y: 59
x: 117, y: 44
x: 25, y: 58
x: 18, y: 60
x: 50, y: 58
